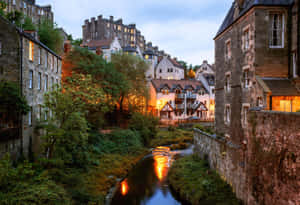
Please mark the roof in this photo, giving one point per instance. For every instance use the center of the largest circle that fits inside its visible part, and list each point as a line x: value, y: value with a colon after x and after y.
x: 105, y: 44
x: 158, y: 84
x: 281, y: 87
x: 247, y: 5
x: 175, y: 63
x: 129, y: 49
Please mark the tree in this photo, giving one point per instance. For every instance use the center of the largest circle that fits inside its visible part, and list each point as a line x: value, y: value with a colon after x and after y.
x: 28, y: 24
x: 135, y: 95
x: 11, y: 102
x: 50, y: 35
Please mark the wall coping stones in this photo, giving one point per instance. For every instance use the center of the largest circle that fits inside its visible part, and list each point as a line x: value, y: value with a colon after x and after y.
x: 218, y: 139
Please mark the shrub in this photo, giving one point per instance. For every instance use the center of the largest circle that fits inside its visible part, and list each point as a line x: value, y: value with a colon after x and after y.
x: 145, y: 124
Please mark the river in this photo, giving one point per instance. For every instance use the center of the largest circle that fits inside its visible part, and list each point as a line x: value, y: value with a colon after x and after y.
x: 147, y: 182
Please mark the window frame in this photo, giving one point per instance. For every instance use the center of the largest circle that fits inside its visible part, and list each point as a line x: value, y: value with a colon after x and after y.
x: 246, y: 78
x: 271, y: 14
x: 39, y: 81
x: 227, y: 112
x: 30, y: 116
x: 244, y: 114
x: 30, y: 85
x: 46, y: 83
x: 246, y: 38
x: 228, y: 51
x: 31, y: 51
x: 227, y: 82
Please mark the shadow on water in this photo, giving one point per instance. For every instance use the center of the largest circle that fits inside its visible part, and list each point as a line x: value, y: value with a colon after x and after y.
x: 147, y: 183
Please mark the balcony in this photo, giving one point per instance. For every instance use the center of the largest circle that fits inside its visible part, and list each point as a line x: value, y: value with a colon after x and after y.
x: 179, y: 107
x: 180, y: 96
x: 191, y: 96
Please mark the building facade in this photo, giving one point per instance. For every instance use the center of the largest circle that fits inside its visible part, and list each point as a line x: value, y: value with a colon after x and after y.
x: 168, y: 68
x: 104, y: 29
x: 30, y: 9
x: 29, y: 63
x: 254, y: 61
x: 175, y: 100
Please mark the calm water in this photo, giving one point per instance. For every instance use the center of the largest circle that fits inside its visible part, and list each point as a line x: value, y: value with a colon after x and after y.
x: 147, y: 183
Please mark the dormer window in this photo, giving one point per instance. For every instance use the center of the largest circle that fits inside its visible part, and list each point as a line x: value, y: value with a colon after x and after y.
x: 165, y: 91
x: 276, y: 30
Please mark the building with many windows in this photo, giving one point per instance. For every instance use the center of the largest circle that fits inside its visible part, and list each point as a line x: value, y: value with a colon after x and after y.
x: 30, y: 9
x: 36, y: 68
x: 256, y: 61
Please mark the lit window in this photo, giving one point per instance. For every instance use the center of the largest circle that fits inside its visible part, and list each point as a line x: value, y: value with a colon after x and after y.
x: 30, y: 117
x: 46, y: 83
x: 285, y: 105
x: 277, y: 30
x: 31, y: 50
x: 165, y: 91
x: 125, y: 30
x: 227, y: 83
x: 0, y: 48
x: 228, y: 50
x: 108, y: 25
x: 227, y: 114
x: 119, y: 28
x: 39, y: 81
x: 132, y: 31
x: 146, y: 57
x: 246, y: 78
x: 246, y: 39
x: 30, y: 79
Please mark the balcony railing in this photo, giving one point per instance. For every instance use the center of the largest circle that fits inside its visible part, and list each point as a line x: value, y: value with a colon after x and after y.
x: 179, y: 107
x: 180, y: 96
x: 191, y: 96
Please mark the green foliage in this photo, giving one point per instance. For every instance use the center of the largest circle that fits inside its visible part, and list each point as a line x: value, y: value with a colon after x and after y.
x: 206, y: 129
x: 28, y: 24
x: 77, y: 42
x: 24, y: 185
x: 50, y: 36
x: 194, y: 181
x: 145, y: 124
x: 15, y: 17
x: 2, y: 7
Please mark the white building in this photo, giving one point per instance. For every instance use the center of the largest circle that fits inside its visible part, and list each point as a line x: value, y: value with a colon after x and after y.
x: 175, y: 100
x: 168, y: 68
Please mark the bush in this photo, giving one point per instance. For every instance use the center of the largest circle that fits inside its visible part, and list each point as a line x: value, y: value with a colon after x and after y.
x: 24, y: 185
x: 145, y: 124
x: 208, y: 130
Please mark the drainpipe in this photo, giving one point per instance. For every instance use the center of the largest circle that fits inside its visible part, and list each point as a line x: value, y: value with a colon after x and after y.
x: 21, y: 89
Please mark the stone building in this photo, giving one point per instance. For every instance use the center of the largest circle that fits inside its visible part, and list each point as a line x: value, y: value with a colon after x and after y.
x: 36, y: 68
x: 175, y: 100
x: 30, y: 9
x: 168, y: 68
x: 255, y: 63
x: 105, y: 29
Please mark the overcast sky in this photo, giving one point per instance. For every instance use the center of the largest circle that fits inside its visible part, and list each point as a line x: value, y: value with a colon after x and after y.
x: 183, y: 28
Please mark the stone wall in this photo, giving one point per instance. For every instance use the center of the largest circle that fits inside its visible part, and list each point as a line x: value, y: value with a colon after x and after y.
x: 265, y: 168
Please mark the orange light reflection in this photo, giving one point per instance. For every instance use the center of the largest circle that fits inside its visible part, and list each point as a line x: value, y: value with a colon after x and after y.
x: 161, y: 160
x: 124, y: 187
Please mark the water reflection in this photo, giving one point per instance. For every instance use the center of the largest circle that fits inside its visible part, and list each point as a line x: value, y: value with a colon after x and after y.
x: 147, y: 184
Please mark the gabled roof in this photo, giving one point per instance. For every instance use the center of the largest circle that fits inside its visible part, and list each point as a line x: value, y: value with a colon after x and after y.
x: 247, y: 5
x: 175, y: 63
x: 158, y: 84
x: 104, y: 44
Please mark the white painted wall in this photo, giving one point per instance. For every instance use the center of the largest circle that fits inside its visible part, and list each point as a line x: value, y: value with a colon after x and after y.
x: 164, y: 65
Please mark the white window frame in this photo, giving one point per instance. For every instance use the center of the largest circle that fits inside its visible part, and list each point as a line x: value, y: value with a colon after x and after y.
x: 30, y: 86
x: 246, y: 38
x: 271, y: 30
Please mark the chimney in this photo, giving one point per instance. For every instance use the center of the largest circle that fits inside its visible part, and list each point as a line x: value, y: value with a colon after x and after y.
x: 111, y: 18
x: 205, y: 62
x: 99, y: 17
x: 33, y: 34
x: 86, y: 22
x: 175, y: 59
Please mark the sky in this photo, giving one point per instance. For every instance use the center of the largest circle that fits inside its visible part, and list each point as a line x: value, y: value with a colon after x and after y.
x: 183, y: 28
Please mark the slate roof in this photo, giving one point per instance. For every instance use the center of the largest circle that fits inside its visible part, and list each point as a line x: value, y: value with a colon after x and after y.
x: 281, y: 87
x: 104, y: 44
x: 173, y: 84
x: 248, y: 4
x: 129, y: 49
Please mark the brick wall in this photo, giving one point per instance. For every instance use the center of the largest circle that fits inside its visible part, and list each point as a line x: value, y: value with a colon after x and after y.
x: 264, y: 169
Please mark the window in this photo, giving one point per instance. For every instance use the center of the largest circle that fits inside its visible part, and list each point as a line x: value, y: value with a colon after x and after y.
x: 259, y: 102
x: 125, y: 30
x: 14, y: 2
x: 160, y: 70
x: 40, y: 56
x: 52, y: 82
x: 227, y: 82
x: 227, y: 114
x: 277, y: 30
x: 40, y: 112
x: 108, y: 25
x: 246, y: 80
x: 285, y: 105
x: 30, y: 79
x: 30, y: 117
x: 46, y: 83
x: 57, y: 65
x: 132, y: 31
x: 45, y: 114
x: 228, y: 50
x: 119, y: 28
x: 246, y: 39
x: 165, y: 91
x: 39, y: 81
x: 295, y: 74
x: 0, y: 48
x: 46, y: 60
x: 245, y: 111
x: 31, y: 50
x: 146, y: 57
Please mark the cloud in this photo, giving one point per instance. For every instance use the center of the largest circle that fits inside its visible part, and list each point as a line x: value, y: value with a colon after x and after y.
x: 183, y: 28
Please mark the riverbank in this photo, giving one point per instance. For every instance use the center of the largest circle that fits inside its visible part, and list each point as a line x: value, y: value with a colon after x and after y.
x: 192, y: 179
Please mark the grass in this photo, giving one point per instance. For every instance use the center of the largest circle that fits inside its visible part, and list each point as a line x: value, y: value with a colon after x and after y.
x: 176, y: 137
x: 192, y: 179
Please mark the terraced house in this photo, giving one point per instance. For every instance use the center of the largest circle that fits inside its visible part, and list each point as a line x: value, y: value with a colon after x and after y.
x: 30, y: 9
x: 256, y: 56
x: 36, y: 68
